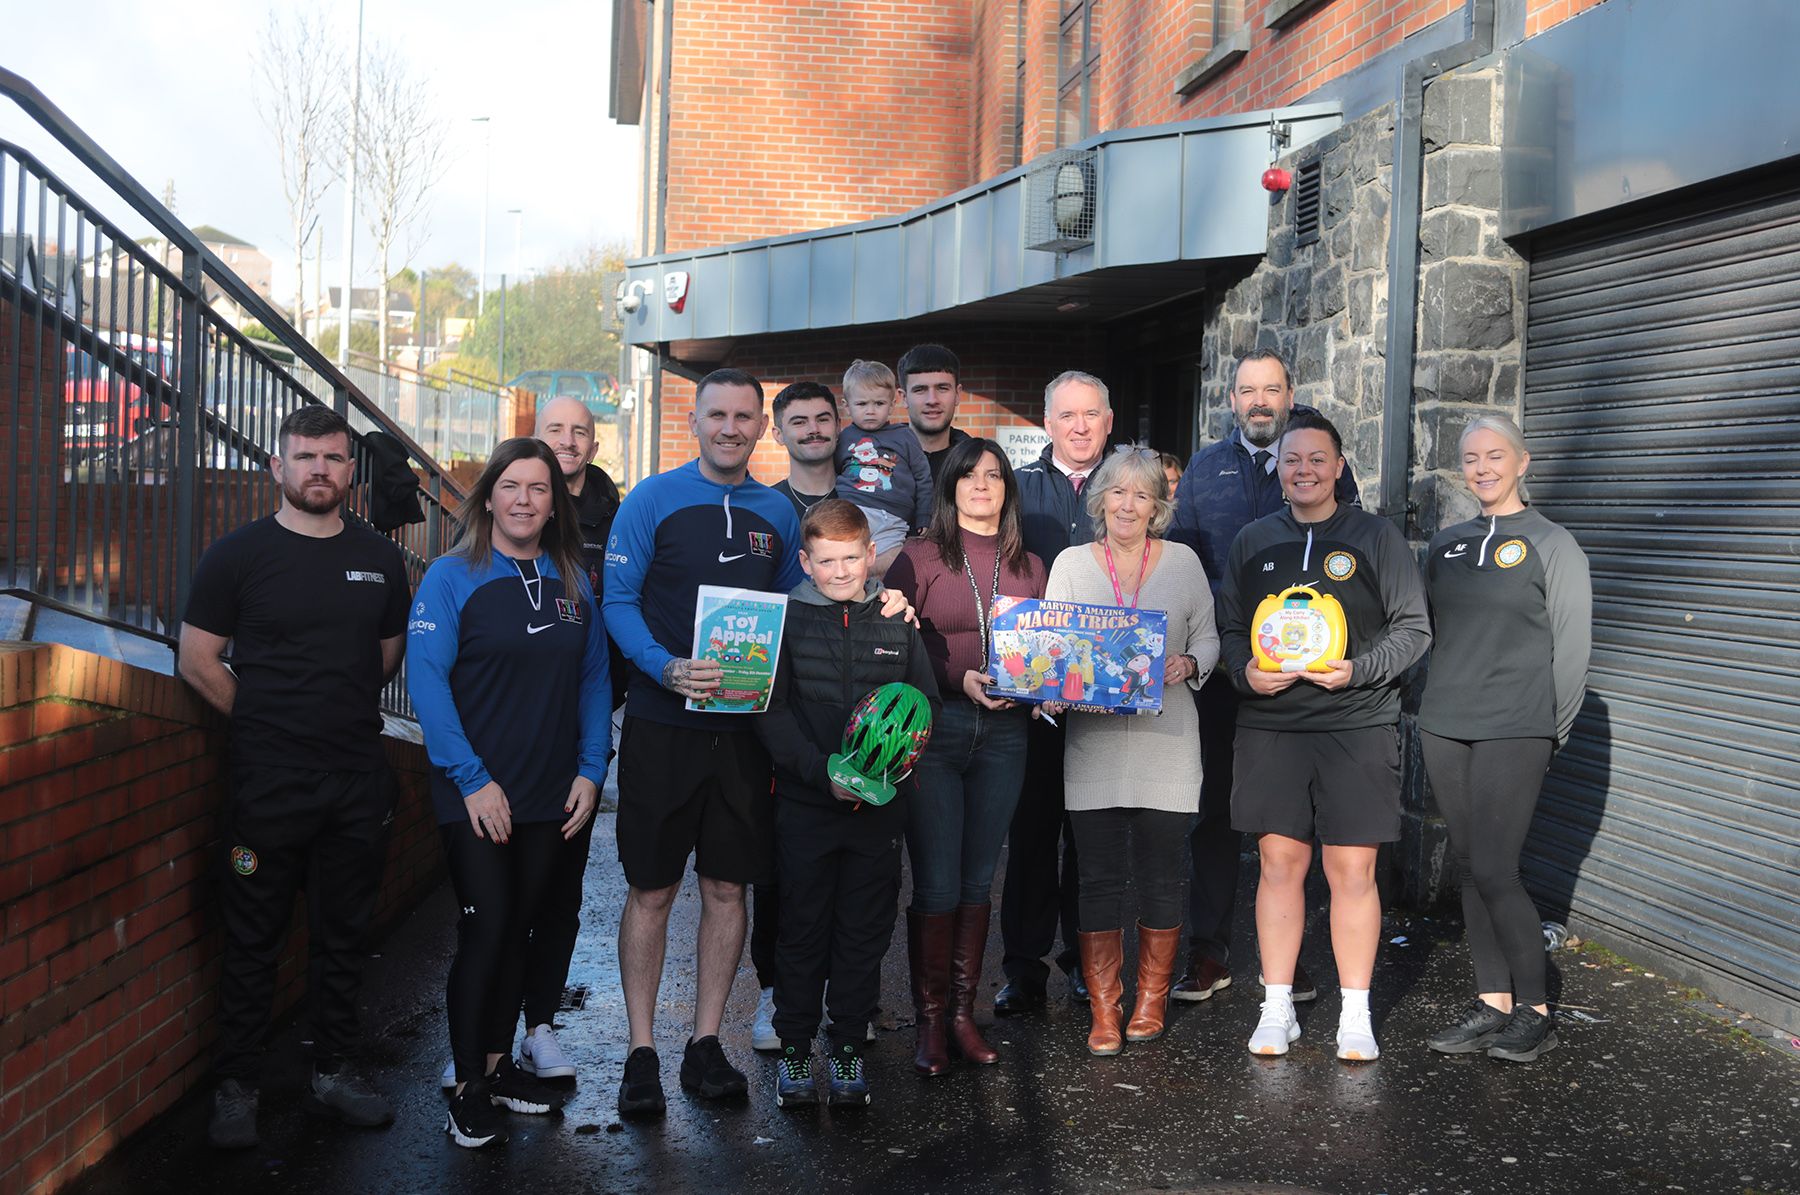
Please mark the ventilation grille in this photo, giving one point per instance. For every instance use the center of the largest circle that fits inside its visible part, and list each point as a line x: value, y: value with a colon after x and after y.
x: 1059, y: 201
x: 1306, y: 204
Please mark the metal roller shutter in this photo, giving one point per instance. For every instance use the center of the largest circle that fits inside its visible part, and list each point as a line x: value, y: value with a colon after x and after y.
x: 1662, y: 411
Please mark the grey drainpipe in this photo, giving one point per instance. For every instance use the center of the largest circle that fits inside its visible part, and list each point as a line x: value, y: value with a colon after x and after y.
x: 1403, y: 254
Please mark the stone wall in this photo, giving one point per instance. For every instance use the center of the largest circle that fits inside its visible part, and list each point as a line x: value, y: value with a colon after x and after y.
x: 1322, y: 305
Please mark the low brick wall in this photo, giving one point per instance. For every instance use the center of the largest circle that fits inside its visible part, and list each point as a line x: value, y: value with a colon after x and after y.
x: 110, y: 781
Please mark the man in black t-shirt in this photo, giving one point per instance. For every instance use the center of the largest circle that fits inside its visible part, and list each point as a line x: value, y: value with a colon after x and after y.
x: 931, y: 383
x: 314, y: 610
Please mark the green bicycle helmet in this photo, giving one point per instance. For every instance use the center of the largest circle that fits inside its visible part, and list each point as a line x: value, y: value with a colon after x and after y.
x: 882, y: 741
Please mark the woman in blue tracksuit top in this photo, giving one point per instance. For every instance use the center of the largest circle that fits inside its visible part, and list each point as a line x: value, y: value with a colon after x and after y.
x: 508, y: 673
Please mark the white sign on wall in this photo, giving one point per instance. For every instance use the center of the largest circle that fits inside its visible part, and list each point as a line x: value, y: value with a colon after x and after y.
x: 1022, y: 444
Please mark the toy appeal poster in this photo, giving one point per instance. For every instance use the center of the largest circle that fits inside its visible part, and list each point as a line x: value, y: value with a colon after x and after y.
x: 741, y: 630
x: 1102, y: 659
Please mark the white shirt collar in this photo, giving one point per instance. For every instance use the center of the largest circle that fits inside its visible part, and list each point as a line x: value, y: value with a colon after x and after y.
x: 1253, y: 450
x: 1068, y: 471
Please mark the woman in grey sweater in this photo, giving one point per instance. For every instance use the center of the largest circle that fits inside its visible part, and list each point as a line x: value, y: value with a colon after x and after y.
x: 1132, y: 783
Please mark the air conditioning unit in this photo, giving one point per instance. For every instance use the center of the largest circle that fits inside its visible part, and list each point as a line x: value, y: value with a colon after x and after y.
x: 1061, y: 201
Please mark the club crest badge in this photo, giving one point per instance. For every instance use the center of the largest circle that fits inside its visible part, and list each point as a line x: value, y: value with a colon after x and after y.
x: 1510, y: 553
x: 1340, y: 566
x: 569, y: 610
x: 243, y: 860
x: 762, y: 543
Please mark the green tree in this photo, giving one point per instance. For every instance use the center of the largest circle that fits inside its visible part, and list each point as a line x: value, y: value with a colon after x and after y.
x: 561, y: 319
x: 362, y: 340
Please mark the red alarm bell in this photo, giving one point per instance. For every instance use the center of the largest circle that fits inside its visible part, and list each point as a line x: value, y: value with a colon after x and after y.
x: 1276, y: 179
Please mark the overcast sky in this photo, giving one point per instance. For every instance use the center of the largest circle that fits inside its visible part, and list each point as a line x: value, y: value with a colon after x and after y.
x: 168, y: 88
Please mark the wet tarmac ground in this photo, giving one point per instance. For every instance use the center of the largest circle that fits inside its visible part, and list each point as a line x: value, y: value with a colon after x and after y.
x: 1652, y: 1090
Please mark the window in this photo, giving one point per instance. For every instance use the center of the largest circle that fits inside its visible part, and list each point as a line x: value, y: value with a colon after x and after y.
x: 1077, y: 53
x: 573, y: 385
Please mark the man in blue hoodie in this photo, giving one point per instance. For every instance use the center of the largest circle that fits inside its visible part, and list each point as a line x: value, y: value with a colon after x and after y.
x: 1228, y: 485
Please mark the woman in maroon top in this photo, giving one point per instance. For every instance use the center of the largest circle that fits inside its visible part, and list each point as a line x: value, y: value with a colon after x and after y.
x: 970, y: 772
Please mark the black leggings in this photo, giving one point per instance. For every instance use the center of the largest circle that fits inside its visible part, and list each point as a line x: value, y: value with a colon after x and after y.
x: 1145, y: 848
x: 555, y: 929
x: 499, y: 890
x: 1487, y: 791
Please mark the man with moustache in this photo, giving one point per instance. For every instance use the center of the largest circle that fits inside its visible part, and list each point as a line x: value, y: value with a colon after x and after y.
x: 931, y: 383
x: 806, y: 424
x: 313, y: 608
x: 1227, y: 486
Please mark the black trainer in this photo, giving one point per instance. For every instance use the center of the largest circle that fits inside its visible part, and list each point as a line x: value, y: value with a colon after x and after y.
x: 512, y: 1087
x: 1527, y: 1035
x: 346, y: 1097
x: 233, y: 1124
x: 1304, y: 987
x: 641, y: 1091
x: 705, y: 1071
x: 1479, y: 1025
x: 473, y: 1121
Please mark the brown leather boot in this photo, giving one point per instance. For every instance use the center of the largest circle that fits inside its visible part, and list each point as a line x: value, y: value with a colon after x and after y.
x: 928, y: 953
x: 1102, y: 954
x: 968, y: 945
x: 1156, y: 965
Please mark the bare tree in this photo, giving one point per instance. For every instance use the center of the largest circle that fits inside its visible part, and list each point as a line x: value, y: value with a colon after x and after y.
x: 402, y: 147
x: 301, y: 101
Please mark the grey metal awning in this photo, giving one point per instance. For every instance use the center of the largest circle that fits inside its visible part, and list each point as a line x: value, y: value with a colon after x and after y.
x: 1166, y: 200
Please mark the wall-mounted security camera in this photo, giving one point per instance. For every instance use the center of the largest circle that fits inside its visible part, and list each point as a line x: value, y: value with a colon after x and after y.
x: 632, y: 295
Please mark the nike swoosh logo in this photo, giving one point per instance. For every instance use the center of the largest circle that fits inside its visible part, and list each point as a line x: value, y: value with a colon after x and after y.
x: 1454, y: 555
x: 724, y: 559
x: 531, y: 630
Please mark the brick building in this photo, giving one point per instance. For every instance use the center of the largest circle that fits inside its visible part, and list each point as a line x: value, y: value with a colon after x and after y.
x: 1519, y: 205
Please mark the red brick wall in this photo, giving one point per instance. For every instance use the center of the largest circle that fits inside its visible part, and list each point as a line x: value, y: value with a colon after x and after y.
x: 1005, y: 368
x: 1542, y: 14
x: 109, y: 780
x: 786, y: 117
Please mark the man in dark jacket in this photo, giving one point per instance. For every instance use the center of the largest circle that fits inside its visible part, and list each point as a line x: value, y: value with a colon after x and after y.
x: 1078, y: 416
x: 1229, y: 485
x: 838, y: 857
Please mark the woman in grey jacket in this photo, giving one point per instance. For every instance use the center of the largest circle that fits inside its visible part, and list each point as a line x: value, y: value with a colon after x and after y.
x: 1511, y: 607
x: 1132, y: 784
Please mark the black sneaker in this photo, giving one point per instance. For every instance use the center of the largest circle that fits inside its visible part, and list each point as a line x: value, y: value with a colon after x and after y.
x: 849, y: 1080
x: 1527, y: 1035
x: 705, y: 1071
x: 473, y: 1121
x: 640, y: 1091
x: 233, y: 1124
x: 1304, y: 987
x: 1481, y: 1023
x: 342, y: 1095
x: 794, y: 1078
x: 513, y: 1088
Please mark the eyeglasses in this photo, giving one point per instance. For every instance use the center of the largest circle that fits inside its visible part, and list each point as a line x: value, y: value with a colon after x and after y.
x: 1139, y: 450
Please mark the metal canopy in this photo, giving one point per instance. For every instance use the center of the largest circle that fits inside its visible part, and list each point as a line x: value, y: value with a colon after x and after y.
x: 1168, y: 199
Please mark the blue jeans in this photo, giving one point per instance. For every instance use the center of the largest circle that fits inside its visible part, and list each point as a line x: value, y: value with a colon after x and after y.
x: 969, y: 778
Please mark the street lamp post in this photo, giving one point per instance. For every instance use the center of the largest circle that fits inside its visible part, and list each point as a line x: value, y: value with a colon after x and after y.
x: 487, y: 170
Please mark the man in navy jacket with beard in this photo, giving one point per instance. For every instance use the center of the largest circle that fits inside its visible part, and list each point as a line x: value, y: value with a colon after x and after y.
x: 1228, y: 485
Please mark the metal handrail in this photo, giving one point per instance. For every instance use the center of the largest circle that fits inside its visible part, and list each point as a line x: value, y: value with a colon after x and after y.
x: 142, y: 421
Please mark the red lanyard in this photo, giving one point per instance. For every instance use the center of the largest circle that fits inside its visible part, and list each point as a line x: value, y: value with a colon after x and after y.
x: 1119, y: 594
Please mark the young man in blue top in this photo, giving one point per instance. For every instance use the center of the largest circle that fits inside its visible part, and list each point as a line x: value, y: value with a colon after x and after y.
x: 691, y: 782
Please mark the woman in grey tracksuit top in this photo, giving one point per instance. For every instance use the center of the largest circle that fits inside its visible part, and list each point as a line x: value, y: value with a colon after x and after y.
x: 1511, y: 611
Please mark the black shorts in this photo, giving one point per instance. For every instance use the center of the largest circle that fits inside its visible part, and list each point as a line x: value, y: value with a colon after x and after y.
x: 1341, y: 787
x: 686, y: 791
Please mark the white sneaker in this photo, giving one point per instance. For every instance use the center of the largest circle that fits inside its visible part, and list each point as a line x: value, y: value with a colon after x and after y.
x: 762, y: 1030
x: 1276, y: 1029
x: 542, y: 1055
x: 448, y: 1080
x: 1356, y: 1037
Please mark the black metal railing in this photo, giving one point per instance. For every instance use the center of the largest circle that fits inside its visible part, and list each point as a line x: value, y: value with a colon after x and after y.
x: 138, y: 418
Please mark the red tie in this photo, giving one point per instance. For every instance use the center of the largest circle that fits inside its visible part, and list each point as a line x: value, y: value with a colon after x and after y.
x: 1075, y: 479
